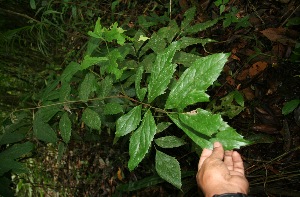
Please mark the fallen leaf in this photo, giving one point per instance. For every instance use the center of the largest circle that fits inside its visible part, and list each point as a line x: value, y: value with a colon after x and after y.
x: 278, y: 35
x: 257, y: 68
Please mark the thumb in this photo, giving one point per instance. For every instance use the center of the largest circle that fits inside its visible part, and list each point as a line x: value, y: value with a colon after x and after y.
x: 218, y: 151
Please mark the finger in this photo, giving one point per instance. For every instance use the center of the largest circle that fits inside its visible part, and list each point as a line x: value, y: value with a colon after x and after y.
x: 205, y: 153
x: 238, y: 164
x: 218, y: 151
x: 228, y: 160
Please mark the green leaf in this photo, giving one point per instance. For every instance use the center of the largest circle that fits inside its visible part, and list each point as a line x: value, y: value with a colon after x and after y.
x: 45, y: 114
x: 169, y: 142
x: 188, y: 41
x: 128, y: 122
x: 98, y: 30
x: 200, y: 140
x: 89, y: 61
x: 290, y: 106
x: 140, y: 140
x: 115, y: 33
x: 65, y: 127
x: 14, y: 133
x: 16, y: 151
x: 202, y: 121
x: 168, y: 168
x: 9, y: 164
x: 112, y: 108
x: 230, y: 139
x: 69, y: 71
x: 186, y: 59
x: 87, y: 86
x: 140, y: 92
x: 32, y: 4
x: 162, y: 72
x: 162, y: 126
x: 64, y: 92
x: 105, y: 87
x: 112, y: 66
x: 188, y: 17
x: 61, y: 150
x: 201, y: 26
x: 191, y: 86
x: 157, y: 43
x: 91, y: 119
x: 44, y: 132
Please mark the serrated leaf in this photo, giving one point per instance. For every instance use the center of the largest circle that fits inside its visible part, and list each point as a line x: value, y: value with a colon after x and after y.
x: 45, y: 114
x: 69, y: 71
x: 44, y: 132
x: 169, y: 142
x: 112, y: 66
x: 98, y: 30
x: 65, y: 127
x: 139, y: 39
x: 186, y: 59
x: 112, y: 108
x: 16, y: 151
x: 105, y: 87
x: 140, y: 92
x: 168, y: 168
x: 157, y: 43
x: 188, y: 41
x: 162, y: 126
x: 188, y: 17
x: 203, y: 121
x: 91, y: 119
x: 192, y: 84
x: 169, y: 32
x: 140, y: 140
x: 230, y: 139
x: 64, y: 92
x: 201, y: 26
x: 87, y: 86
x: 162, y: 72
x: 200, y: 140
x: 128, y: 122
x: 89, y: 61
x: 290, y: 106
x: 115, y: 33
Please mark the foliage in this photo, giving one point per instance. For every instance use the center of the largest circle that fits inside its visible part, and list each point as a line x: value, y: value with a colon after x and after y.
x: 290, y: 106
x: 135, y: 86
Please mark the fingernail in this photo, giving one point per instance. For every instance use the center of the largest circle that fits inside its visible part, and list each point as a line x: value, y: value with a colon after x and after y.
x: 217, y: 144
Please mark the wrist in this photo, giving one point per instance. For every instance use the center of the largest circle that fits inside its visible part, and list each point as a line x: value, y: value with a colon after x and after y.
x: 231, y: 195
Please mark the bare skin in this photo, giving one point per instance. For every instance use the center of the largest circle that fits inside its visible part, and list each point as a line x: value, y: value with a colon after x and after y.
x: 221, y: 172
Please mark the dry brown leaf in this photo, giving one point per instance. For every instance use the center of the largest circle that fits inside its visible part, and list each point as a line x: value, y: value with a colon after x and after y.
x: 278, y: 35
x: 257, y: 68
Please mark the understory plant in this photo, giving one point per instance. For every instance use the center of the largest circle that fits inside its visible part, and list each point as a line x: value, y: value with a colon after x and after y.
x: 133, y: 85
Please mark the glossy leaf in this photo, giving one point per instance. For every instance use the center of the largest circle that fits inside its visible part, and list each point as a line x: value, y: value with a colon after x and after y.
x: 140, y: 140
x: 112, y: 108
x: 186, y: 59
x: 44, y: 132
x: 230, y: 139
x: 91, y: 119
x: 168, y: 168
x: 290, y: 106
x: 140, y: 92
x: 128, y: 122
x: 202, y: 121
x: 105, y: 87
x: 188, y: 41
x: 191, y: 86
x: 200, y: 140
x: 87, y: 86
x: 65, y: 127
x: 169, y: 142
x: 64, y: 92
x: 162, y: 126
x: 162, y: 72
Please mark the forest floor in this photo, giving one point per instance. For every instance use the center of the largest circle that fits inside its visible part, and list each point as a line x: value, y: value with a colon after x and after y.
x: 259, y: 68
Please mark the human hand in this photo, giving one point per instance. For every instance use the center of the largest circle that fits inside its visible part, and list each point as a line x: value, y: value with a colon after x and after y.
x: 221, y: 172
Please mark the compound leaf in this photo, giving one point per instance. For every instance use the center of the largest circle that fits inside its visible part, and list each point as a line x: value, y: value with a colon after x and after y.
x: 91, y: 119
x: 191, y: 86
x: 128, y: 122
x: 140, y: 140
x: 162, y: 72
x: 168, y: 168
x: 65, y: 127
